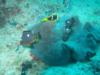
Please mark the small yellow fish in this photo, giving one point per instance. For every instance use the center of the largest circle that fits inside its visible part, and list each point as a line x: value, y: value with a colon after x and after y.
x: 53, y: 17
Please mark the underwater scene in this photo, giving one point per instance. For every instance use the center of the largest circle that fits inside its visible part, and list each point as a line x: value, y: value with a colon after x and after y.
x: 49, y: 37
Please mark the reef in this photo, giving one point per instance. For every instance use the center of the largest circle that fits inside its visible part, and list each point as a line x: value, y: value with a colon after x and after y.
x: 95, y: 65
x: 7, y: 12
x: 76, y: 42
x: 49, y: 37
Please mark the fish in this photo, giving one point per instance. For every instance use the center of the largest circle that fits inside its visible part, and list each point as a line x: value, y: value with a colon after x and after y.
x: 53, y: 17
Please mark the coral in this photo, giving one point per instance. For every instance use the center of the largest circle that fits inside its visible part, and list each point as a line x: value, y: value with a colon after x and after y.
x: 50, y: 49
x: 80, y: 44
x: 69, y: 25
x: 10, y: 11
x: 25, y: 66
x: 6, y: 12
x: 95, y: 65
x: 27, y: 38
x: 2, y: 21
x: 84, y: 42
x: 92, y: 37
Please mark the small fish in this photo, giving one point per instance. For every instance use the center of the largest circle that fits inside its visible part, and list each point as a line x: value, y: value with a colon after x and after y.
x: 50, y: 18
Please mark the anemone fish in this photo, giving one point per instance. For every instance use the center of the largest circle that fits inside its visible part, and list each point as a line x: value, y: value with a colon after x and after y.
x: 53, y: 17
